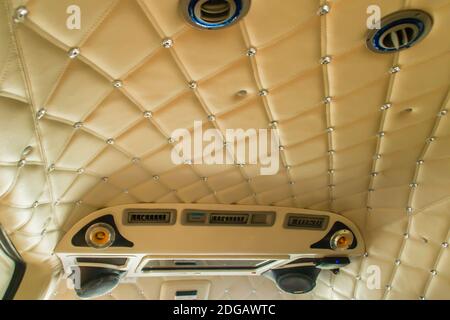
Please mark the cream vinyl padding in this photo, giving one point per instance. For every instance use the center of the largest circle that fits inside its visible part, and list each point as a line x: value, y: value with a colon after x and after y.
x: 93, y: 147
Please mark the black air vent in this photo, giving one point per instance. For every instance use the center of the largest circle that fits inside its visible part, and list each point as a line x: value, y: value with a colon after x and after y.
x: 399, y: 31
x: 215, y: 11
x: 150, y: 217
x: 234, y: 219
x: 400, y: 36
x: 306, y: 222
x: 224, y: 218
x: 213, y: 14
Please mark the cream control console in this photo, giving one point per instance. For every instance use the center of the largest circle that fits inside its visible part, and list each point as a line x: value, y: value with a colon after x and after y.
x: 288, y: 245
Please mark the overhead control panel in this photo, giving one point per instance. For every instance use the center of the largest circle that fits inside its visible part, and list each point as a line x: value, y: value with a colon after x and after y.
x: 154, y: 240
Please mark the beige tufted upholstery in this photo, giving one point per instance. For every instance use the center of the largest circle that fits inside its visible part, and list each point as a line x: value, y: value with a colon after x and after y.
x: 62, y: 176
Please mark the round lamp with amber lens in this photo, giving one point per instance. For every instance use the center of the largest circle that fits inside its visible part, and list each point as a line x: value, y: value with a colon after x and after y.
x: 100, y: 236
x: 342, y: 240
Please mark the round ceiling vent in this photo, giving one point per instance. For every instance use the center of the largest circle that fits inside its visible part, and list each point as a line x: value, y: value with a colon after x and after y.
x: 399, y: 31
x: 214, y: 14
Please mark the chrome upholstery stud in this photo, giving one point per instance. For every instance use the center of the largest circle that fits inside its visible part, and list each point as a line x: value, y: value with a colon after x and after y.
x: 20, y: 14
x: 263, y: 92
x: 327, y: 100
x: 22, y: 163
x: 167, y: 43
x: 211, y: 118
x: 156, y: 177
x: 78, y: 125
x: 74, y: 52
x: 443, y: 113
x: 193, y: 85
x: 110, y: 141
x: 395, y: 69
x: 323, y: 10
x: 27, y: 151
x: 148, y: 114
x: 117, y: 84
x: 386, y: 106
x: 41, y: 114
x: 273, y: 125
x: 325, y: 60
x: 251, y: 52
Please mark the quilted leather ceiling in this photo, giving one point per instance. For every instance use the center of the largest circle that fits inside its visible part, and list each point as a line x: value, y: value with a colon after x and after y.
x: 71, y: 142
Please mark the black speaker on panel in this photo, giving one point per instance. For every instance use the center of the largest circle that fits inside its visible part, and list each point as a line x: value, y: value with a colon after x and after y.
x: 300, y: 276
x: 94, y: 282
x: 295, y: 280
